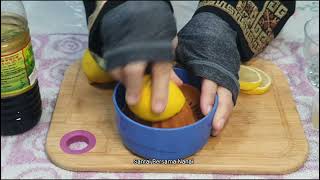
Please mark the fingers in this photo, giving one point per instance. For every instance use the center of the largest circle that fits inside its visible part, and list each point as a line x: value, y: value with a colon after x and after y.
x: 224, y: 110
x: 132, y: 77
x: 174, y: 77
x: 133, y: 80
x: 117, y: 73
x: 207, y: 97
x: 160, y: 84
x: 175, y: 43
x: 225, y: 104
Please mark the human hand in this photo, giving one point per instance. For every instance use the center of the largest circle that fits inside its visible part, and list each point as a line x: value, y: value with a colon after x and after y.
x: 207, y: 47
x: 132, y: 74
x: 132, y: 36
x: 209, y: 89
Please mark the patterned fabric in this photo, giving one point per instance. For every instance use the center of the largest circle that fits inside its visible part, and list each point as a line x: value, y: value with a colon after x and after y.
x: 257, y: 22
x: 24, y: 156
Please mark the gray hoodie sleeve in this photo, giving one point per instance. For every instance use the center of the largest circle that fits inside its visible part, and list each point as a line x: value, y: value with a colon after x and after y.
x: 135, y: 31
x: 207, y: 47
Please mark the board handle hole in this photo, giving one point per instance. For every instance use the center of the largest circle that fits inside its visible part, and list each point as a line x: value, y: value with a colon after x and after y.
x: 77, y: 142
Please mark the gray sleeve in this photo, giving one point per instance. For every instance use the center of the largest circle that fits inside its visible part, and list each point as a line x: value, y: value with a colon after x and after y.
x: 207, y: 47
x: 137, y: 30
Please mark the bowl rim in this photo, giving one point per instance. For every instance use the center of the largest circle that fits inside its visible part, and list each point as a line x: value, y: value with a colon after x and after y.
x: 212, y: 112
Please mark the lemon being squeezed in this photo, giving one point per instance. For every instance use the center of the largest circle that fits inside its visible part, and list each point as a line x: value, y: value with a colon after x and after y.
x: 143, y: 109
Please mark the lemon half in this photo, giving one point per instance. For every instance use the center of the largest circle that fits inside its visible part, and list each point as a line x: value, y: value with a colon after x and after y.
x: 93, y: 71
x: 264, y: 86
x: 143, y: 109
x: 249, y: 78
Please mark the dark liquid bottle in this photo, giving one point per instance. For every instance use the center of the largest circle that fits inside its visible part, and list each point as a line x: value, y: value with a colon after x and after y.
x: 21, y: 107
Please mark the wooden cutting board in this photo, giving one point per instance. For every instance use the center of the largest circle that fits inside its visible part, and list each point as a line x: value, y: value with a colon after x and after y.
x: 263, y: 136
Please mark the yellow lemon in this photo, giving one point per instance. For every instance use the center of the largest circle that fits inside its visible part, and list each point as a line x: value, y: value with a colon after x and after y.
x: 93, y: 71
x: 249, y: 78
x: 264, y: 86
x: 142, y: 109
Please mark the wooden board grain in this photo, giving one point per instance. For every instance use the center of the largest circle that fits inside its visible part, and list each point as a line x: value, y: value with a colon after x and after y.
x: 263, y: 136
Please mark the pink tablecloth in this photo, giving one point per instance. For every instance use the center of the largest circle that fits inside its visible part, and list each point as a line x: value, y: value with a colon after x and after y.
x: 24, y: 156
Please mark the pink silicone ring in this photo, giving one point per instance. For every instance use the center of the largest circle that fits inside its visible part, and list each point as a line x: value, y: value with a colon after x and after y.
x: 77, y: 136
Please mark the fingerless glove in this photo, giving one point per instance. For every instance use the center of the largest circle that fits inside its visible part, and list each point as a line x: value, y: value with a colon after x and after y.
x: 128, y: 31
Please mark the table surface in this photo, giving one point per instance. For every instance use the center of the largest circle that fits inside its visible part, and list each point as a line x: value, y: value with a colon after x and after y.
x: 58, y: 46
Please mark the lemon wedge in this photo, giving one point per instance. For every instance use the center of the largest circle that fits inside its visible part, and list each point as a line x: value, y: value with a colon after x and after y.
x: 249, y: 78
x: 143, y: 110
x: 264, y: 86
x: 93, y: 71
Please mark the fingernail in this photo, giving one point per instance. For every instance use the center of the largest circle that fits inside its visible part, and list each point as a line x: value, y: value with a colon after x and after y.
x: 132, y: 99
x: 158, y: 107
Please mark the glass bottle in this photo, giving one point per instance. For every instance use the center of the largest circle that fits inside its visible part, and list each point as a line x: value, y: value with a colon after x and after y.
x: 21, y: 106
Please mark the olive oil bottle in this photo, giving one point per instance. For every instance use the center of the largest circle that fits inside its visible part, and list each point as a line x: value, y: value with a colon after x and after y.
x: 21, y: 106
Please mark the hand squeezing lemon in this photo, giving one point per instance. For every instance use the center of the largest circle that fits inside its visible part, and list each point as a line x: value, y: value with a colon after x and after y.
x: 253, y: 80
x: 143, y: 110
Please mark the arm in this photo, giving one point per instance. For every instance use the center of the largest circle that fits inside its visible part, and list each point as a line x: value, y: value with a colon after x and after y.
x: 127, y: 36
x: 219, y: 37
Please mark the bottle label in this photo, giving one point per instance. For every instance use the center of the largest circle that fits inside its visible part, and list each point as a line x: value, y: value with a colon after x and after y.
x: 18, y: 72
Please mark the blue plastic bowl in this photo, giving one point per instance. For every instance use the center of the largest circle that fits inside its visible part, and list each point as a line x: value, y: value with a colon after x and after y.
x: 161, y: 143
